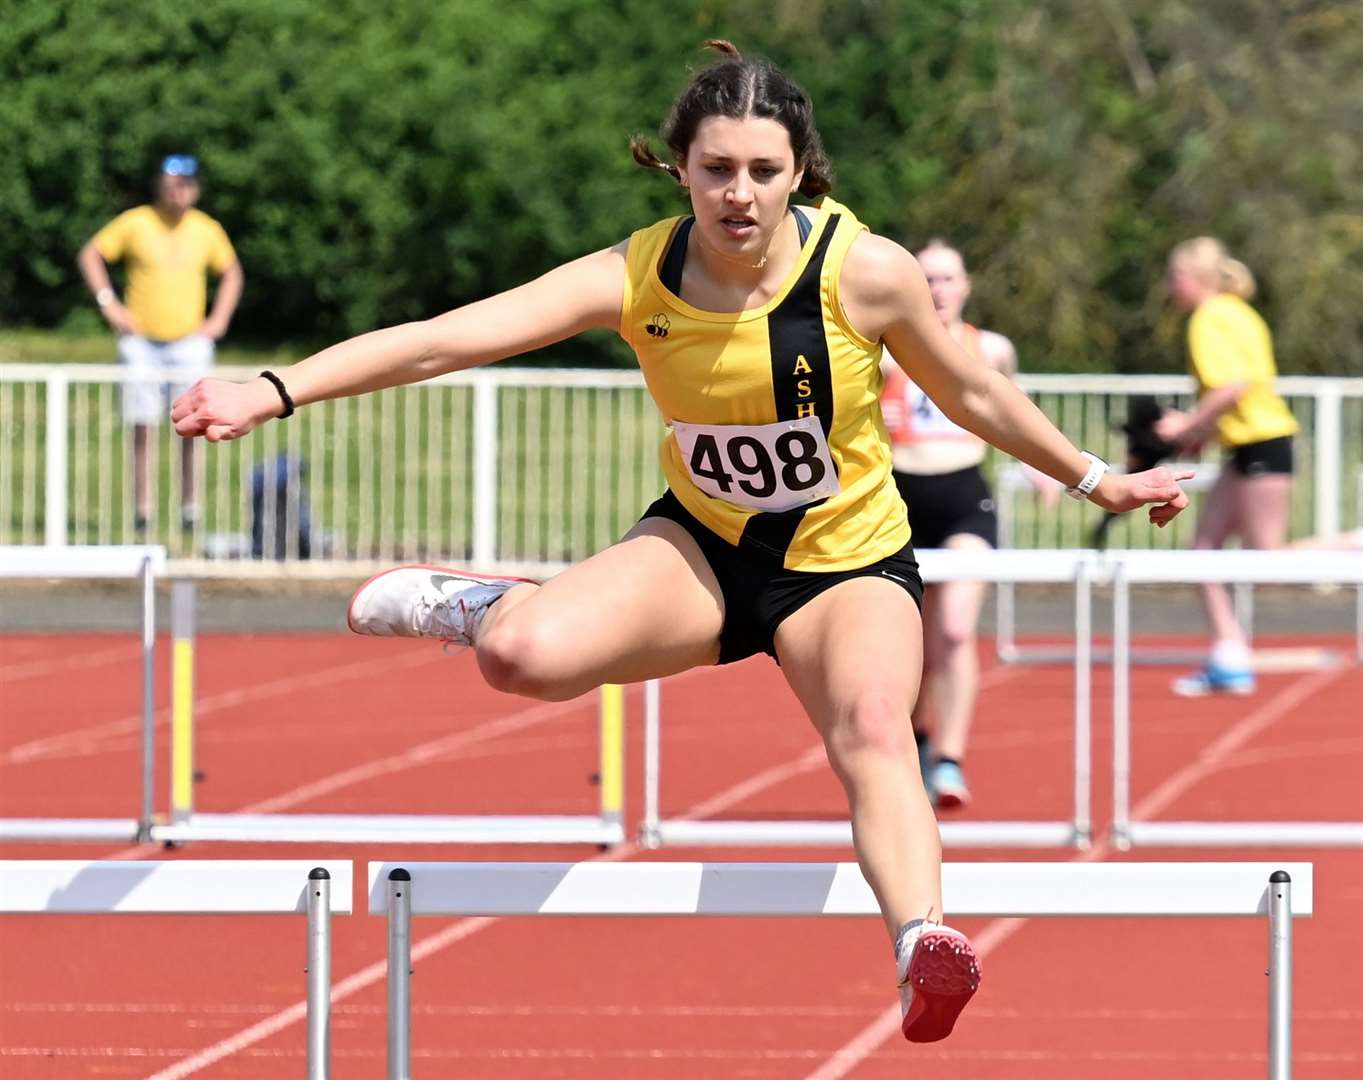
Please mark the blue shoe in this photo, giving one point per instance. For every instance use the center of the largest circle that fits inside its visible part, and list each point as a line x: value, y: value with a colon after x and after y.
x: 949, y: 786
x: 1212, y: 678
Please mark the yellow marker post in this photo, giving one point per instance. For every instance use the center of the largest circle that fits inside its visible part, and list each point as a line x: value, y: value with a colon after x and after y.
x: 182, y: 701
x: 613, y: 753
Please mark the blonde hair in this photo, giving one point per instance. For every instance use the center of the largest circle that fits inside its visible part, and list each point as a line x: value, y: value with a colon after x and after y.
x: 936, y: 243
x: 1207, y: 257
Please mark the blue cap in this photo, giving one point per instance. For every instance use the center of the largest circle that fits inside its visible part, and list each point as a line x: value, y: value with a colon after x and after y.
x: 180, y: 165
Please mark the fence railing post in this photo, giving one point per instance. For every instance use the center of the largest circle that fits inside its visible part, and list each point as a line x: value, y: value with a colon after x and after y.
x: 58, y: 388
x: 484, y: 470
x: 1328, y: 445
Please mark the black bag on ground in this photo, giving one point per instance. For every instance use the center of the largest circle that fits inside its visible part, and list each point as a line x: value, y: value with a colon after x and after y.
x: 281, y: 519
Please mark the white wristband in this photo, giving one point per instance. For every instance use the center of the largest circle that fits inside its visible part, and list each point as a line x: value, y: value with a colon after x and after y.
x: 105, y: 296
x: 1083, y: 489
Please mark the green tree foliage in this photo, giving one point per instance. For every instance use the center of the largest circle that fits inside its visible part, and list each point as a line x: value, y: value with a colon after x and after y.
x: 380, y: 163
x: 1067, y: 145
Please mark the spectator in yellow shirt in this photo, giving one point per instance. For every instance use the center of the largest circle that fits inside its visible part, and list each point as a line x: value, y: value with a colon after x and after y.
x: 1230, y: 352
x: 168, y: 248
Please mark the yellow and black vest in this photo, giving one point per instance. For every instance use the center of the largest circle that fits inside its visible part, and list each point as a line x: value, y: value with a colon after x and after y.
x: 795, y: 357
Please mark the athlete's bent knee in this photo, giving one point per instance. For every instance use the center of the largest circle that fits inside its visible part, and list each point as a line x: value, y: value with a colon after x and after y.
x: 518, y: 657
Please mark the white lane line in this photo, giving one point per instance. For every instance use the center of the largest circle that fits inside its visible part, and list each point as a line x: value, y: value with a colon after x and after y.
x: 74, y: 661
x: 887, y: 1025
x: 77, y: 742
x: 298, y: 1011
x: 1325, y: 748
x: 424, y: 753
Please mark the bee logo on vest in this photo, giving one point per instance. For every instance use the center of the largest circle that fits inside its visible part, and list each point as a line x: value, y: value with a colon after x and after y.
x: 658, y: 326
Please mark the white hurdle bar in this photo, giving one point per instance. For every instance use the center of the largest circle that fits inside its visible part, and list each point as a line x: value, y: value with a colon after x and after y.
x: 1049, y: 567
x: 1277, y: 892
x: 319, y: 888
x: 94, y: 562
x: 1198, y: 567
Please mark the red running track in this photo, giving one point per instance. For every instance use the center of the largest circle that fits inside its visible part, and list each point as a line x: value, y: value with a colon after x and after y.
x: 326, y: 723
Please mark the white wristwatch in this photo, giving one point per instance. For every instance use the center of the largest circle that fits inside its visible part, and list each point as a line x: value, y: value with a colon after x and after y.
x: 1083, y: 489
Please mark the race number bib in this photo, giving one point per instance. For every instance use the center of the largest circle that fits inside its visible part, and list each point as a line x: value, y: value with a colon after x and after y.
x: 773, y: 467
x: 925, y: 419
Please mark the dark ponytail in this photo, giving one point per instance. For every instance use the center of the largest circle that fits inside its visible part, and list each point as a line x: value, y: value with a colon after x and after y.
x: 738, y: 88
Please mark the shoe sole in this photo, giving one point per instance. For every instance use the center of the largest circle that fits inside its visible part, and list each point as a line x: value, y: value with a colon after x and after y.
x: 952, y: 798
x: 1188, y: 691
x: 484, y: 578
x: 944, y: 974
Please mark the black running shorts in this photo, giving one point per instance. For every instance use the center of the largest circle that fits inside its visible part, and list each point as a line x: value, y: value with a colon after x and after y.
x: 949, y: 504
x: 760, y: 593
x: 1272, y: 456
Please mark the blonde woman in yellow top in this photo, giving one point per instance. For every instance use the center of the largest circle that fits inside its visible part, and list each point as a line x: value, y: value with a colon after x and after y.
x: 1230, y: 353
x: 759, y: 327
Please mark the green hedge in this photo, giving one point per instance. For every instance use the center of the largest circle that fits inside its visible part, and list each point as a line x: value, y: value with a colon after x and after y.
x: 375, y: 163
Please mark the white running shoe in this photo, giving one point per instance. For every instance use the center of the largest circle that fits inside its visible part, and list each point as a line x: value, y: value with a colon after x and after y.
x: 938, y: 974
x: 425, y: 601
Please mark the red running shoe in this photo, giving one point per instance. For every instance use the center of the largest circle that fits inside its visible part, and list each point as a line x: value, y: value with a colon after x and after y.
x: 938, y: 974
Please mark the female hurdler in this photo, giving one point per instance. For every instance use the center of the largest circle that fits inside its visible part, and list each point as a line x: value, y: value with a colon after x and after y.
x: 758, y: 326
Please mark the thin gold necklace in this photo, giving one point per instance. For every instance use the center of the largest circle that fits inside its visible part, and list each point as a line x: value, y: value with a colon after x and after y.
x: 732, y: 259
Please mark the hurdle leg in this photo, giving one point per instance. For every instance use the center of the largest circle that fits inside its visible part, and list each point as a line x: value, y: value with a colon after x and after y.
x: 652, y: 764
x: 1280, y: 976
x: 399, y: 975
x: 1121, y: 710
x: 1242, y: 595
x: 148, y: 701
x: 182, y: 701
x: 319, y: 974
x: 1083, y: 706
x: 613, y: 755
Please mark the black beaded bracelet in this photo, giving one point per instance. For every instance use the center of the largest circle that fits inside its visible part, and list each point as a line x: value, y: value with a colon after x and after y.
x: 283, y: 394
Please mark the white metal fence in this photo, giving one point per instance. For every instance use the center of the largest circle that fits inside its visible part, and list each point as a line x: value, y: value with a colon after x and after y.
x: 501, y: 467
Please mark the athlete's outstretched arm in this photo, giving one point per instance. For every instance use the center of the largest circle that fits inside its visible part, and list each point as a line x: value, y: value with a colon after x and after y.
x: 886, y: 297
x: 580, y: 295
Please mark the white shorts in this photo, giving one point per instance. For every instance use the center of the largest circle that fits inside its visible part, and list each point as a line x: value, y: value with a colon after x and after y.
x: 147, y: 402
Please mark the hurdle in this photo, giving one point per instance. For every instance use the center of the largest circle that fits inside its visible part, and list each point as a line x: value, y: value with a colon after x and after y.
x: 1073, y: 568
x: 319, y: 888
x: 143, y: 563
x: 1013, y: 478
x: 186, y: 825
x: 1278, y: 892
x: 1197, y: 567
